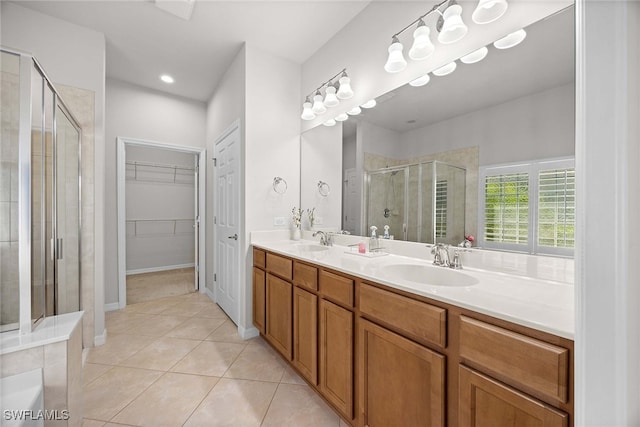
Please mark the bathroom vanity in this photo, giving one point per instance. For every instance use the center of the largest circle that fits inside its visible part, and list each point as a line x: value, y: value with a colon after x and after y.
x: 385, y: 350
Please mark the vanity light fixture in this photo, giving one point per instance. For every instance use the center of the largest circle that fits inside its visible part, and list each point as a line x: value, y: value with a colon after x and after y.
x: 511, y: 40
x: 489, y: 10
x: 420, y: 81
x: 167, y: 78
x: 395, y: 61
x: 450, y: 24
x: 422, y: 46
x: 369, y: 104
x: 341, y: 117
x: 475, y: 56
x: 330, y: 122
x: 354, y: 111
x: 445, y: 69
x: 333, y: 93
x: 307, y: 113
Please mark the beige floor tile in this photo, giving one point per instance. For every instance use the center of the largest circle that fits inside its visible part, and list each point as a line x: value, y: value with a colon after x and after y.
x: 298, y: 406
x: 117, y: 425
x: 157, y: 325
x: 91, y: 371
x: 195, y: 328
x: 209, y: 358
x: 290, y: 376
x: 151, y: 286
x: 258, y: 362
x: 227, y: 332
x: 151, y: 307
x: 234, y: 403
x: 118, y: 348
x: 92, y: 423
x: 111, y: 392
x: 343, y: 423
x: 167, y: 402
x: 121, y: 320
x: 213, y: 311
x: 186, y: 308
x: 161, y: 354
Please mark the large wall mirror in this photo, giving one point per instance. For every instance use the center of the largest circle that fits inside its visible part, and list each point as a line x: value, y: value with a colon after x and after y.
x: 415, y: 162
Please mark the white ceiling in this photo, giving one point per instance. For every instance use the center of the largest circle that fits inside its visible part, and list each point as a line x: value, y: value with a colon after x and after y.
x: 143, y: 41
x: 544, y: 60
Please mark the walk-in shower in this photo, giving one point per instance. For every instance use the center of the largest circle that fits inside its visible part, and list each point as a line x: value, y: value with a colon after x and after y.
x: 422, y: 202
x: 39, y: 197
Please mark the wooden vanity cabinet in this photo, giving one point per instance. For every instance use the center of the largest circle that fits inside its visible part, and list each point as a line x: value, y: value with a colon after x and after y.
x: 259, y: 299
x: 279, y: 315
x: 305, y: 334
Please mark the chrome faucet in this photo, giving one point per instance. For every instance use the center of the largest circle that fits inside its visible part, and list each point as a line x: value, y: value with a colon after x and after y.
x: 440, y: 253
x: 326, y: 239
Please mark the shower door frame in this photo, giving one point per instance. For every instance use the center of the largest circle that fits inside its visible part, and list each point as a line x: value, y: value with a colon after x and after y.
x: 121, y: 144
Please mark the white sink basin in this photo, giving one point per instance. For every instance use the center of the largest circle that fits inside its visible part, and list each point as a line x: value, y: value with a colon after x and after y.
x: 312, y: 248
x: 427, y: 275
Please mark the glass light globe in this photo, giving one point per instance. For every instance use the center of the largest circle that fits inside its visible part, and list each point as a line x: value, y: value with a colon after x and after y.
x: 511, y: 40
x: 307, y: 114
x: 420, y: 81
x: 489, y: 10
x: 445, y: 69
x: 395, y: 61
x: 453, y: 29
x: 329, y: 123
x: 354, y: 111
x: 369, y: 104
x: 330, y: 98
x: 422, y: 46
x: 342, y: 117
x: 475, y: 56
x: 345, y: 91
x: 318, y: 106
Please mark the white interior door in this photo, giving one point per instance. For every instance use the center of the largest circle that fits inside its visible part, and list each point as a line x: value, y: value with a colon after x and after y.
x: 227, y: 219
x: 196, y: 221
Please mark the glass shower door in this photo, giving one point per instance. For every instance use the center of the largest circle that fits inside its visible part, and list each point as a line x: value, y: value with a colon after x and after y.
x: 67, y: 205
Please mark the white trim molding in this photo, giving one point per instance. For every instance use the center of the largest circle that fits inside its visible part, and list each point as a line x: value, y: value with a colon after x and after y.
x: 158, y: 269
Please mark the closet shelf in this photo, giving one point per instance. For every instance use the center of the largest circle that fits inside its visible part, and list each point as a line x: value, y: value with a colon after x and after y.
x: 159, y: 172
x: 159, y: 227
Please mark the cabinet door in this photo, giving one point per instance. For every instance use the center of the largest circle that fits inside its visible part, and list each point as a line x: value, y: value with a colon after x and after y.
x: 279, y: 309
x: 305, y: 333
x: 336, y: 356
x: 486, y: 402
x: 259, y: 298
x: 400, y: 382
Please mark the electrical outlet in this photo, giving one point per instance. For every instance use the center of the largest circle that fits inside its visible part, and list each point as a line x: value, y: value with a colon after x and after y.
x: 279, y: 220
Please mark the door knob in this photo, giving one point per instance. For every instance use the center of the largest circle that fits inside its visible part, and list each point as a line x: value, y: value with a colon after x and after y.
x: 234, y: 237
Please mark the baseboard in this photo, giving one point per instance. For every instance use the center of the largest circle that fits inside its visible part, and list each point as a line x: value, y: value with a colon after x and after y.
x: 163, y: 268
x: 208, y: 292
x: 98, y: 340
x: 112, y: 306
x: 246, y: 334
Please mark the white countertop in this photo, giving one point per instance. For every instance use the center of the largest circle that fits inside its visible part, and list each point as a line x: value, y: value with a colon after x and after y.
x: 540, y: 304
x: 51, y: 330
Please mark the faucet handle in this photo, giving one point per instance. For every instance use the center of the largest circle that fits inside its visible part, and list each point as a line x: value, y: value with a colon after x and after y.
x: 456, y: 263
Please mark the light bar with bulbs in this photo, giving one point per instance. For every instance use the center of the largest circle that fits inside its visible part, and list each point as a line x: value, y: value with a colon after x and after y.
x: 315, y: 104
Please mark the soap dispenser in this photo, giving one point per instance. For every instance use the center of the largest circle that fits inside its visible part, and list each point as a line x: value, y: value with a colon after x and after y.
x: 386, y: 232
x: 373, y: 240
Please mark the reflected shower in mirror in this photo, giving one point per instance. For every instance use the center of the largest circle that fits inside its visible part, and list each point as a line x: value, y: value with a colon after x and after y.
x: 515, y: 106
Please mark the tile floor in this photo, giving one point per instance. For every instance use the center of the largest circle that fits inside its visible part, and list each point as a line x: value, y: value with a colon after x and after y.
x: 151, y: 286
x: 178, y: 361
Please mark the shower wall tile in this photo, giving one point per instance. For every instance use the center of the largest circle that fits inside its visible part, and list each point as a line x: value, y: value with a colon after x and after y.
x: 5, y: 221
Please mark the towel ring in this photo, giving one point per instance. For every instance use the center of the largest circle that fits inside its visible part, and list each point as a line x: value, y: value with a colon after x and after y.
x: 323, y: 188
x: 279, y: 185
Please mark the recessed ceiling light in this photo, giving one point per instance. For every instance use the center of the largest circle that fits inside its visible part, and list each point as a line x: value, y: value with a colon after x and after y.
x: 167, y: 78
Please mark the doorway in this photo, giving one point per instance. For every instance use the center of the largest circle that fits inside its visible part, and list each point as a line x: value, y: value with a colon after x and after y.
x: 160, y: 196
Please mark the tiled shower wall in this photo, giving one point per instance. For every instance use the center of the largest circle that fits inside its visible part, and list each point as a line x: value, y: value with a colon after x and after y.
x: 9, y: 113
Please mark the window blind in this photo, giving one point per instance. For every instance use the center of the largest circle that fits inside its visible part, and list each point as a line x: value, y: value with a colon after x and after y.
x: 441, y: 208
x: 556, y: 208
x: 507, y: 208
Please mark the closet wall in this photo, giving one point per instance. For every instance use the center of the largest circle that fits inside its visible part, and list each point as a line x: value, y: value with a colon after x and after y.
x: 160, y: 194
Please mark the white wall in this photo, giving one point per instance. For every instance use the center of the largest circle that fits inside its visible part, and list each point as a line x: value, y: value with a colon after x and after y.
x: 72, y: 56
x: 226, y: 105
x: 536, y: 126
x: 272, y: 148
x: 380, y: 140
x: 136, y: 112
x: 321, y: 150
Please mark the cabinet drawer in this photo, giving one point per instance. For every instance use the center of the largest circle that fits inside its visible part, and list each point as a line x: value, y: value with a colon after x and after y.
x: 337, y: 288
x: 525, y: 362
x: 280, y: 266
x: 259, y: 258
x: 417, y: 320
x: 305, y: 276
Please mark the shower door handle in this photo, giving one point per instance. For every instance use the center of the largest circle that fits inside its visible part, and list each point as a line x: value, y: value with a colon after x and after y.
x: 56, y: 249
